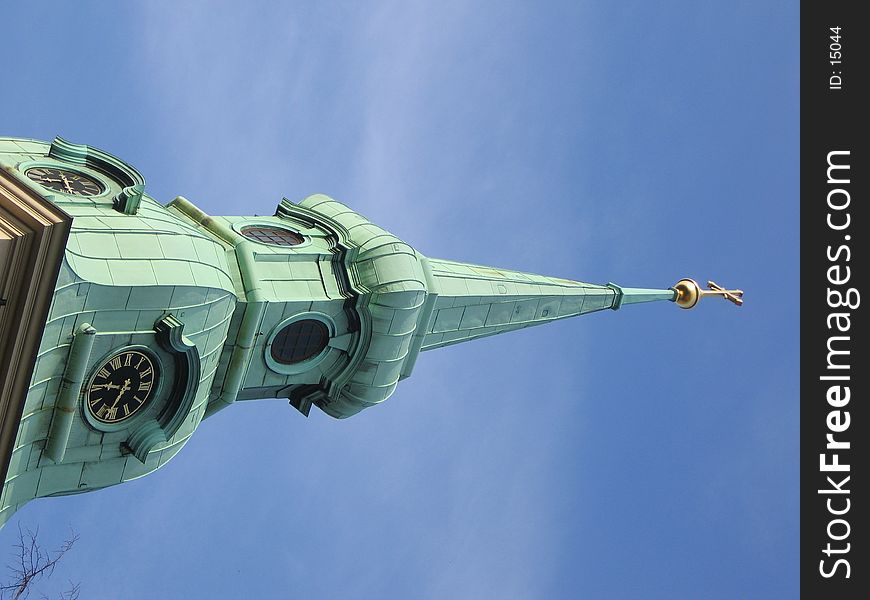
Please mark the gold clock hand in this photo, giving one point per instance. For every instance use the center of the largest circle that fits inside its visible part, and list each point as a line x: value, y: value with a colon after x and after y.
x: 124, y: 389
x: 66, y: 183
x: 108, y: 386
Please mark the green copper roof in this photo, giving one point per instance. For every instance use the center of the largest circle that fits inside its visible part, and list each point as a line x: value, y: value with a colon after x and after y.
x: 475, y: 301
x: 390, y: 278
x: 216, y: 296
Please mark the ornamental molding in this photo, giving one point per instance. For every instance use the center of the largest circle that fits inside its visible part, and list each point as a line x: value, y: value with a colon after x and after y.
x: 156, y: 430
x: 33, y: 235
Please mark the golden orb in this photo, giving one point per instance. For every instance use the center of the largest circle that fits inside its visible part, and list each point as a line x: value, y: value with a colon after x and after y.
x: 688, y: 293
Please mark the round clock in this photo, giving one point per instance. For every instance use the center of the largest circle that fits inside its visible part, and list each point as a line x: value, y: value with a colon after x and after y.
x: 121, y: 386
x: 67, y: 182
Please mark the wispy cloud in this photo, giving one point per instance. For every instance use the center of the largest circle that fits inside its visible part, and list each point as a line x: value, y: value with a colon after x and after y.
x: 387, y: 81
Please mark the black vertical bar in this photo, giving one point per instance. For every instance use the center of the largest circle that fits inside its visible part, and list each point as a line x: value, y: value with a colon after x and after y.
x: 834, y: 226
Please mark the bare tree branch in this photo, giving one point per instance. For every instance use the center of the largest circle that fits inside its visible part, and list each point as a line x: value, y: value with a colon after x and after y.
x: 32, y: 564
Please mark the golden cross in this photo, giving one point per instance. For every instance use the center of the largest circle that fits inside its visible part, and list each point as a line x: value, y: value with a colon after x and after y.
x: 735, y: 296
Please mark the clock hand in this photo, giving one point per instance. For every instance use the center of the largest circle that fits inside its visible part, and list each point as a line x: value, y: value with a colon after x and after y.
x: 108, y: 386
x: 124, y: 389
x: 66, y: 183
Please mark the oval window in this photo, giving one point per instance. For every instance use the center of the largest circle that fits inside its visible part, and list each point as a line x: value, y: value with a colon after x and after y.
x: 274, y: 236
x: 300, y: 341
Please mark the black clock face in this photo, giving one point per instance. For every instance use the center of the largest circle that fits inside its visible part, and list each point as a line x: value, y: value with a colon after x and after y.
x: 121, y: 386
x: 67, y: 182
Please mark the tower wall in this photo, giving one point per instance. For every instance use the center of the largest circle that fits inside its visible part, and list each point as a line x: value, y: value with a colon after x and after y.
x: 121, y: 274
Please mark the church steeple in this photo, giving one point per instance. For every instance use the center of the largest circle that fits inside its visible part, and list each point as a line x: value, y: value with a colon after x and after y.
x: 163, y: 315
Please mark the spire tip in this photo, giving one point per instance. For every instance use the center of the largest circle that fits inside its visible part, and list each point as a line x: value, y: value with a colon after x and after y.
x: 689, y: 293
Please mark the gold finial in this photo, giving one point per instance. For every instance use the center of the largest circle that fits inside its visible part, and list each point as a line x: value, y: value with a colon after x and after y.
x: 689, y: 293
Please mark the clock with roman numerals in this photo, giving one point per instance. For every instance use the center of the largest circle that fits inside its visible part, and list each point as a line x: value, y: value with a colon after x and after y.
x: 121, y: 386
x: 65, y: 181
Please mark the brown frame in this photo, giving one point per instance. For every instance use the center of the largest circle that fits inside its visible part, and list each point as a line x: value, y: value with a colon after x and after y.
x: 33, y: 236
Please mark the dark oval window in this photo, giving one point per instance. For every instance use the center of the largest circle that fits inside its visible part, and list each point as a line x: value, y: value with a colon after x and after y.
x: 274, y: 236
x: 300, y: 341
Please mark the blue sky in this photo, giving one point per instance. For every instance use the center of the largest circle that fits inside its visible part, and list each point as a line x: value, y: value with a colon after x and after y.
x: 644, y: 453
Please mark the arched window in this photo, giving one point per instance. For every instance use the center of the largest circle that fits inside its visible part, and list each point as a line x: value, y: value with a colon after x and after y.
x: 274, y: 236
x: 300, y: 341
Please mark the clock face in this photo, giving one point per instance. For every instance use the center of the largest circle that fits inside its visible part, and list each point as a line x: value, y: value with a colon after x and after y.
x: 67, y: 182
x: 121, y: 386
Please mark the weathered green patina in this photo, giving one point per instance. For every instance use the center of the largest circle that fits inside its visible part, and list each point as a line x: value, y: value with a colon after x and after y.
x: 210, y: 302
